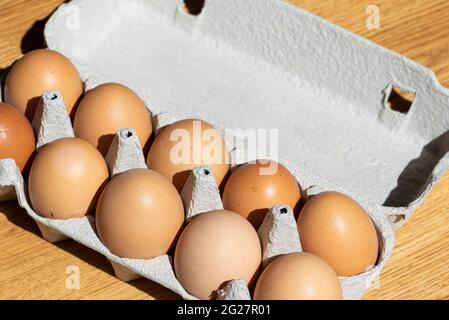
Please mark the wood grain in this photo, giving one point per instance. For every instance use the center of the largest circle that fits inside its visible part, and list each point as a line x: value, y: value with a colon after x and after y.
x: 31, y: 268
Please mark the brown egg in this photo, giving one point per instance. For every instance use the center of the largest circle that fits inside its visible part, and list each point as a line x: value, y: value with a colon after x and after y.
x: 139, y: 214
x: 187, y: 144
x: 298, y: 276
x: 214, y: 248
x: 66, y: 179
x: 16, y: 137
x: 255, y: 187
x: 38, y: 71
x: 336, y: 228
x: 107, y: 108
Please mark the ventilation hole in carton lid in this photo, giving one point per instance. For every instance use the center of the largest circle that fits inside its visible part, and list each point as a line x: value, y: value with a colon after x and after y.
x: 193, y: 7
x: 400, y: 100
x: 283, y: 210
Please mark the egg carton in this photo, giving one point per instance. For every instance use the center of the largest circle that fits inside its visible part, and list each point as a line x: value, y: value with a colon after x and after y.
x: 278, y: 233
x: 267, y: 64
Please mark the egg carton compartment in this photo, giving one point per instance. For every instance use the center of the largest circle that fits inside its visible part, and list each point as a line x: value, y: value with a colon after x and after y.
x: 267, y: 64
x: 278, y: 233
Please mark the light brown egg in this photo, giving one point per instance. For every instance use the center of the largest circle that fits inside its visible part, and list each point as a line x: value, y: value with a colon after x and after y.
x: 187, y: 144
x: 16, y: 137
x: 255, y: 187
x: 38, y: 71
x: 336, y: 228
x: 66, y: 179
x: 139, y: 214
x: 107, y: 108
x: 298, y: 276
x: 214, y: 248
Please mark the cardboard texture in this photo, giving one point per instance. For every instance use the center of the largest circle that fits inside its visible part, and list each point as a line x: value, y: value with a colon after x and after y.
x: 200, y: 193
x: 58, y: 124
x: 259, y: 64
x: 278, y: 234
x: 234, y: 290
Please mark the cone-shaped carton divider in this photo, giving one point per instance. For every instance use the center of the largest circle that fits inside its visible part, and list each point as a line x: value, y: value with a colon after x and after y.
x: 234, y: 290
x: 51, y: 121
x: 125, y: 152
x: 278, y: 233
x: 200, y: 193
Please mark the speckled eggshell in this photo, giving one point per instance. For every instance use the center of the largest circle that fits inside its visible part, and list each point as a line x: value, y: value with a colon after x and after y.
x: 139, y: 214
x: 187, y: 144
x: 107, y: 108
x: 38, y: 71
x: 254, y: 188
x: 214, y: 248
x: 66, y: 179
x: 17, y: 139
x: 336, y: 228
x: 298, y: 276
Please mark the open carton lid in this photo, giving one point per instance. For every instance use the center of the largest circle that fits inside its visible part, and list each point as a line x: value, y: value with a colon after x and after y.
x: 265, y: 64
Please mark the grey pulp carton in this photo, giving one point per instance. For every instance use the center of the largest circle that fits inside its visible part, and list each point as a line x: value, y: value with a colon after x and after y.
x: 261, y: 64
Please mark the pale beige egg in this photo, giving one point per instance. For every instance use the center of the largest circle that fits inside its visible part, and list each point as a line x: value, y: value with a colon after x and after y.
x: 214, y: 248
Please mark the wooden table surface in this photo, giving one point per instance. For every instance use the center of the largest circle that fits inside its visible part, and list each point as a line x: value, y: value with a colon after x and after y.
x: 31, y: 268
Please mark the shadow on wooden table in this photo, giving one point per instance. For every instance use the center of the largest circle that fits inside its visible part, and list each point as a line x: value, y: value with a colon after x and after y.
x: 100, y: 262
x: 18, y: 217
x: 34, y: 38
